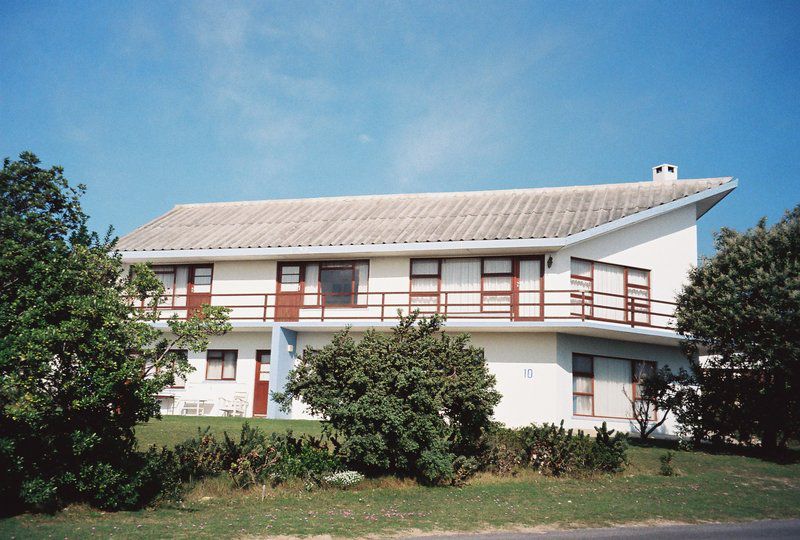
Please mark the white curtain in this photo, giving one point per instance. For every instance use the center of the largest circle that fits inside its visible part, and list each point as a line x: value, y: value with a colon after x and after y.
x: 639, y: 295
x: 609, y: 279
x: 181, y: 281
x: 362, y: 281
x: 530, y: 280
x: 425, y: 267
x: 311, y: 285
x: 461, y: 275
x: 612, y: 381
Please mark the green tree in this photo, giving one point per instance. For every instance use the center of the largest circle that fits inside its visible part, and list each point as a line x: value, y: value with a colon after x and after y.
x: 414, y: 402
x: 80, y: 364
x: 742, y: 309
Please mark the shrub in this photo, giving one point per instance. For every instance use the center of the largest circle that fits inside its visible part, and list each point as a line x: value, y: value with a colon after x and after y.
x: 609, y: 451
x: 256, y: 457
x: 344, y: 479
x: 554, y: 450
x: 666, y: 468
x: 201, y: 456
x: 409, y: 403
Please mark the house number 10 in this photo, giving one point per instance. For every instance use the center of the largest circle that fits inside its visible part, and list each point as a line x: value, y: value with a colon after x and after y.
x: 527, y: 373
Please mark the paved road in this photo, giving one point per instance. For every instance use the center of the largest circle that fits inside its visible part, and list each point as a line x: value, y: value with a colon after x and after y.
x: 780, y: 529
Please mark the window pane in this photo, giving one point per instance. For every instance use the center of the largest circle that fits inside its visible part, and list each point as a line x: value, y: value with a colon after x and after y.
x: 424, y: 284
x: 497, y: 302
x: 581, y: 385
x: 337, y: 285
x: 214, y: 369
x: 425, y: 267
x: 612, y: 387
x: 637, y: 277
x: 229, y: 365
x: 202, y: 275
x: 581, y: 364
x: 497, y: 283
x: 582, y: 405
x: 581, y: 268
x: 497, y: 266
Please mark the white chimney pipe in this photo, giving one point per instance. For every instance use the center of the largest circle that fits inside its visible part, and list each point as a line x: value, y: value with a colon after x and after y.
x: 666, y: 172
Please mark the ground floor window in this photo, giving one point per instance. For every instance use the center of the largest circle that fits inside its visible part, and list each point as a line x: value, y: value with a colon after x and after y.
x: 604, y: 386
x: 221, y: 365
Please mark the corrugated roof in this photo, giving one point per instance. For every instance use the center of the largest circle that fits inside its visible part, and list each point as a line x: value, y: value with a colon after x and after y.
x: 394, y: 219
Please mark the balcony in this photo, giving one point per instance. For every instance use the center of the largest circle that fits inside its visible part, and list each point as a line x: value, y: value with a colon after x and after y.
x: 466, y: 306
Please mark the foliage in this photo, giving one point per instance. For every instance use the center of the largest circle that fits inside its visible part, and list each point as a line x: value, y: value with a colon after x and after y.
x: 555, y: 451
x: 343, y: 479
x: 80, y: 364
x: 609, y: 450
x: 666, y: 468
x: 411, y: 402
x: 742, y: 308
x: 256, y: 457
x: 660, y: 393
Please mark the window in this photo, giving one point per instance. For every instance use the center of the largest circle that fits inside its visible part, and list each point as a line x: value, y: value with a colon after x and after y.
x: 478, y: 287
x: 582, y: 385
x: 221, y: 365
x: 151, y: 371
x: 642, y: 370
x: 609, y: 291
x: 603, y: 386
x: 340, y: 283
x: 425, y: 279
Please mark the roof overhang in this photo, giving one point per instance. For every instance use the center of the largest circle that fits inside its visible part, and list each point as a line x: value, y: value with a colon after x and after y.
x: 703, y: 202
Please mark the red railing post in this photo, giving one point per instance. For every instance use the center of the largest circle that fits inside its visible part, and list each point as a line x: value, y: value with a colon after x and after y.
x: 383, y: 305
x: 266, y: 302
x: 583, y: 305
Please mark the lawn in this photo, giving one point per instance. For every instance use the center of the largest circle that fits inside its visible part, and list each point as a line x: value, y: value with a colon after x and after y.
x: 709, y: 488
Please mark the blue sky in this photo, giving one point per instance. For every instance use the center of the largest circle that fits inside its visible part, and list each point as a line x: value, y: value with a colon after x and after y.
x: 156, y: 103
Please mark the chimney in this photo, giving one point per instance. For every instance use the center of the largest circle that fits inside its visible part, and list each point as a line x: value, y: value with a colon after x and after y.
x: 665, y: 173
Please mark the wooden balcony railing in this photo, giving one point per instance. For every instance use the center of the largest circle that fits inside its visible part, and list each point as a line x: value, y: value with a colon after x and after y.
x: 522, y: 305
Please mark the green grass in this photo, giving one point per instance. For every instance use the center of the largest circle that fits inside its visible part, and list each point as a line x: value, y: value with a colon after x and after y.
x: 172, y: 430
x: 710, y: 488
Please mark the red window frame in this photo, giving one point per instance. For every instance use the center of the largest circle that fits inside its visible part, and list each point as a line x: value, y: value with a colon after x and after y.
x: 511, y: 285
x: 634, y: 391
x: 221, y: 353
x: 627, y: 299
x: 513, y: 292
x: 354, y: 292
x: 437, y: 294
x: 589, y: 374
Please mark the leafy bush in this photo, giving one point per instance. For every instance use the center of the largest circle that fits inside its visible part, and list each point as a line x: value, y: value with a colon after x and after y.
x: 80, y: 363
x: 554, y: 450
x: 256, y: 457
x: 666, y: 468
x: 415, y: 402
x: 609, y: 451
x: 201, y: 456
x: 344, y: 479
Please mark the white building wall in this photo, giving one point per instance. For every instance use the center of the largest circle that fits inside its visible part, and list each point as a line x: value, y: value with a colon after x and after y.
x: 534, y: 374
x: 198, y: 388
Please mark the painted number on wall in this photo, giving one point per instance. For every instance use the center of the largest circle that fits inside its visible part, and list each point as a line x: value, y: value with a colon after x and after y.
x: 527, y: 373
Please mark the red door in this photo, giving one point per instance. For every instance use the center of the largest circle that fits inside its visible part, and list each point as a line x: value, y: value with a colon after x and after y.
x: 261, y: 390
x: 289, y: 297
x: 198, y: 290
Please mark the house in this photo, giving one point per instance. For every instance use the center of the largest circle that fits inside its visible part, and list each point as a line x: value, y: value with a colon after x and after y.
x: 569, y: 290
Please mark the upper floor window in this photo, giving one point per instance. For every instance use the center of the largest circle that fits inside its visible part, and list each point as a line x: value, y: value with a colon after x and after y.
x: 183, y: 281
x: 503, y: 286
x: 332, y: 283
x: 610, y: 291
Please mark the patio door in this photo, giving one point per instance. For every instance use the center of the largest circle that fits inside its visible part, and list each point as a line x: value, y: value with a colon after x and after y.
x: 261, y: 389
x: 528, y: 288
x: 198, y: 290
x: 289, y: 296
